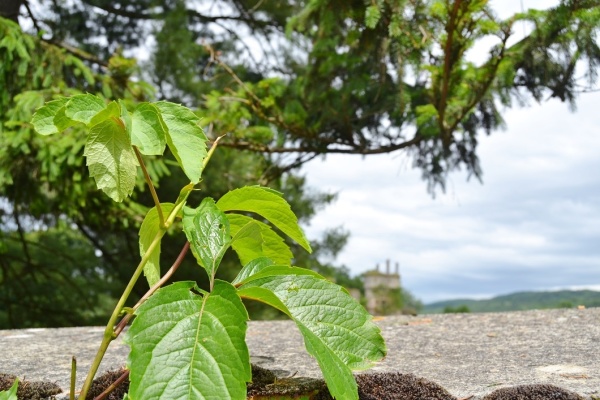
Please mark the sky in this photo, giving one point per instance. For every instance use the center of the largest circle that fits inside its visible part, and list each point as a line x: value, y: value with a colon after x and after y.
x: 533, y: 224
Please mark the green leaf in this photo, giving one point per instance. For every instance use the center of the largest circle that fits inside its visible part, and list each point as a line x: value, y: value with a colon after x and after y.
x: 372, y: 16
x: 265, y: 296
x: 337, y: 330
x: 207, y: 230
x: 439, y: 9
x: 125, y: 117
x: 340, y: 381
x: 252, y: 268
x: 111, y: 159
x: 61, y: 121
x: 43, y: 119
x: 85, y: 71
x: 84, y: 107
x: 184, y: 193
x: 267, y: 204
x: 247, y: 242
x: 185, y: 138
x: 273, y: 246
x: 258, y: 269
x: 426, y: 113
x: 148, y: 231
x: 112, y: 110
x: 10, y: 394
x: 427, y: 117
x: 188, y: 344
x: 148, y: 131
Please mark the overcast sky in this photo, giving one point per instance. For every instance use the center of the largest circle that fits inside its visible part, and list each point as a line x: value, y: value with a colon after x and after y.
x: 534, y: 223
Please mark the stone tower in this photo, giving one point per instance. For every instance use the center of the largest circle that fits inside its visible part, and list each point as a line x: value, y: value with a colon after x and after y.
x: 380, y: 288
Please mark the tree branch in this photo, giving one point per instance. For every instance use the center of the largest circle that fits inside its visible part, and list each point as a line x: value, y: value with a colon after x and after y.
x: 10, y: 9
x: 77, y: 52
x: 448, y: 61
x: 21, y: 232
x: 96, y: 243
x: 316, y: 150
x: 491, y: 76
x: 156, y: 16
x: 33, y: 19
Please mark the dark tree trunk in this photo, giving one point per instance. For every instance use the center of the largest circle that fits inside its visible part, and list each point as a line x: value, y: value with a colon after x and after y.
x: 10, y: 9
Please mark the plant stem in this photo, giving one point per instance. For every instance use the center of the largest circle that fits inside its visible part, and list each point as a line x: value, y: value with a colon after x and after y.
x: 211, y: 151
x: 113, y: 385
x: 125, y: 320
x: 109, y: 334
x: 73, y: 378
x: 161, y: 218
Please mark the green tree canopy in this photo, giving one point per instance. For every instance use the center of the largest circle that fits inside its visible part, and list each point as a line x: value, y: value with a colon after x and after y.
x: 326, y: 76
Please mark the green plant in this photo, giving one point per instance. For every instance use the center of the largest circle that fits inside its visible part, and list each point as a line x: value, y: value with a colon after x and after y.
x: 206, y: 328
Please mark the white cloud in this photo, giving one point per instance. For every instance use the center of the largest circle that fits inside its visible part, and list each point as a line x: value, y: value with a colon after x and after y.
x: 533, y: 224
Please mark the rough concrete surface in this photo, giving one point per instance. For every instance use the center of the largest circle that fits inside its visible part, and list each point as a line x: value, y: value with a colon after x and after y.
x: 468, y: 354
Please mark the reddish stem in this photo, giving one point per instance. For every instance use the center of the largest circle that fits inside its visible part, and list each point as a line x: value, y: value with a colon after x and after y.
x: 125, y: 320
x: 113, y: 385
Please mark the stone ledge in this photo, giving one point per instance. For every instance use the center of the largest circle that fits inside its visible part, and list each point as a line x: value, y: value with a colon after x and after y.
x: 468, y: 354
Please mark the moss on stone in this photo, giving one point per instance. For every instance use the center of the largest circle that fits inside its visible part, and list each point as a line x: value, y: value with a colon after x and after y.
x: 102, y: 383
x: 392, y: 386
x: 533, y: 392
x: 30, y: 390
x: 266, y: 386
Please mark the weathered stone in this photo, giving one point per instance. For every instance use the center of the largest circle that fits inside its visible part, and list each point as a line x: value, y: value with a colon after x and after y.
x: 466, y: 354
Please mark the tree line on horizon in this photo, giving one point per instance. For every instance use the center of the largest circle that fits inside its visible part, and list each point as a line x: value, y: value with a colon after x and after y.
x: 520, y: 301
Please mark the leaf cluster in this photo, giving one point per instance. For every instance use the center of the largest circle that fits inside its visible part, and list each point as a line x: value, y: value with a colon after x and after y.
x: 42, y: 178
x: 206, y: 328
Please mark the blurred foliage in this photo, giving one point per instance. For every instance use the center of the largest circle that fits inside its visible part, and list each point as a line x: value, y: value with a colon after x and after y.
x: 285, y: 80
x: 457, y: 309
x: 397, y: 75
x: 45, y: 276
x: 396, y: 301
x: 410, y: 304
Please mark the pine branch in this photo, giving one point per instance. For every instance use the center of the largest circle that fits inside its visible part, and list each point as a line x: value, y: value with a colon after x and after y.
x: 322, y: 150
x: 448, y: 63
x: 77, y: 52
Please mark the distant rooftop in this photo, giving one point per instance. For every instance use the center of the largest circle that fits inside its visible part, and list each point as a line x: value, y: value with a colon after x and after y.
x: 387, y: 271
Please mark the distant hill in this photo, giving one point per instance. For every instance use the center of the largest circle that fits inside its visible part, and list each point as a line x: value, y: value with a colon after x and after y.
x: 520, y: 301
